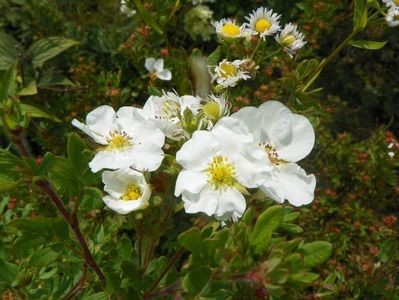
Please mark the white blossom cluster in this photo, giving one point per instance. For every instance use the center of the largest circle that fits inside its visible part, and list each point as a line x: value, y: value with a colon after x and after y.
x: 392, y: 16
x: 263, y: 22
x: 221, y: 159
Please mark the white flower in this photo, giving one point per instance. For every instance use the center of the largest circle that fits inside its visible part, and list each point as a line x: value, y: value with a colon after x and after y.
x: 263, y: 22
x: 227, y: 73
x: 228, y: 28
x: 392, y: 17
x: 167, y: 112
x: 291, y: 39
x: 127, y: 139
x: 391, y: 3
x: 218, y: 166
x: 214, y: 108
x: 156, y: 68
x: 285, y: 139
x: 126, y: 10
x: 195, y: 2
x: 127, y: 190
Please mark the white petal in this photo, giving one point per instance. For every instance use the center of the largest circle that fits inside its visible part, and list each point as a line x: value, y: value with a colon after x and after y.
x: 273, y: 188
x: 302, y: 141
x: 231, y: 205
x: 110, y: 160
x: 164, y: 74
x: 158, y: 65
x: 232, y: 135
x: 149, y: 64
x: 277, y: 123
x: 190, y: 181
x: 131, y: 112
x: 252, y: 117
x: 97, y: 137
x: 101, y: 119
x: 205, y: 202
x: 298, y: 187
x: 197, y: 151
x: 124, y: 207
x: 112, y: 184
x: 190, y: 102
x: 146, y: 157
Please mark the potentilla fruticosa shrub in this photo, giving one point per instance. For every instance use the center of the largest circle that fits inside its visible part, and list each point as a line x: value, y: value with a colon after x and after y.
x: 189, y: 181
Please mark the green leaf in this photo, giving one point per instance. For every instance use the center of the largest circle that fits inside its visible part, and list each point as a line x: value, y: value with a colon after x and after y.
x: 7, y: 183
x: 29, y: 90
x: 316, y: 253
x: 369, y: 45
x: 291, y: 228
x: 92, y: 199
x: 75, y: 148
x: 191, y: 240
x: 47, y: 163
x: 47, y: 48
x: 43, y: 257
x: 49, y: 79
x: 215, y: 56
x: 36, y: 112
x: 154, y: 91
x: 8, y: 51
x: 64, y: 176
x: 7, y: 83
x: 267, y: 223
x: 360, y: 15
x: 147, y: 17
x: 8, y: 272
x: 302, y: 279
x: 195, y: 281
x: 97, y: 296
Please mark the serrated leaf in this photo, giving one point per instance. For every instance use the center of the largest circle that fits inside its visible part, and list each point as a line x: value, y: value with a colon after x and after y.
x: 195, y: 281
x: 369, y: 45
x: 191, y: 240
x: 266, y: 224
x: 45, y: 49
x: 316, y: 253
x: 8, y: 51
x: 36, y: 112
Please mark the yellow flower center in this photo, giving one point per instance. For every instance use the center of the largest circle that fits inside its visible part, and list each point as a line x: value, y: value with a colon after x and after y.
x: 262, y: 25
x: 212, y: 110
x: 231, y: 30
x: 288, y: 40
x: 396, y: 18
x: 132, y: 193
x: 118, y: 141
x: 396, y: 2
x: 228, y: 70
x: 272, y: 154
x: 221, y: 172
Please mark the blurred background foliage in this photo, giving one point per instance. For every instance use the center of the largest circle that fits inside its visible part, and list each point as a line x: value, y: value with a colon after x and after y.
x: 355, y: 116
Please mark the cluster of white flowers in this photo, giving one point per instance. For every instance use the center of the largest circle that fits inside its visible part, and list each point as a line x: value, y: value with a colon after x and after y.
x: 221, y: 158
x: 392, y: 16
x: 263, y: 22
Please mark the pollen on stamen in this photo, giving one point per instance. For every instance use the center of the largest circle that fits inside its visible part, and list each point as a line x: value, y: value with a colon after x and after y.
x: 118, y: 141
x: 221, y: 172
x: 272, y: 154
x: 132, y: 192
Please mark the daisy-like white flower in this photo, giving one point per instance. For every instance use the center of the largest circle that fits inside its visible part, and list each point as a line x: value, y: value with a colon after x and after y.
x: 391, y: 3
x: 285, y: 138
x: 228, y: 28
x: 127, y: 190
x: 214, y: 108
x: 291, y: 39
x: 392, y: 17
x: 218, y: 166
x: 227, y: 73
x: 167, y: 112
x: 264, y: 22
x: 156, y: 68
x: 126, y: 139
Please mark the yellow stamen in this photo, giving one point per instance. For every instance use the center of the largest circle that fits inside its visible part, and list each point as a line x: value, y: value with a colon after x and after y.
x: 118, y: 141
x: 228, y: 70
x: 262, y: 25
x: 171, y: 108
x: 287, y: 40
x: 272, y: 153
x: 212, y: 110
x: 221, y: 172
x: 132, y: 193
x: 231, y: 30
